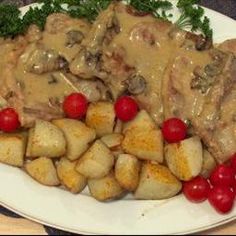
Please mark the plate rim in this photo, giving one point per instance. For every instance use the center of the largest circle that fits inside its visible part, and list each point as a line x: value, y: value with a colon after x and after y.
x: 43, y: 222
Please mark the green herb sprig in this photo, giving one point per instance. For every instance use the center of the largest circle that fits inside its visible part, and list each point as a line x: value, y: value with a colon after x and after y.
x: 192, y: 15
x: 13, y: 24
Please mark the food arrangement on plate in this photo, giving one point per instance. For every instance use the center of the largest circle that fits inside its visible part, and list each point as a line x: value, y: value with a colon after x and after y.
x: 115, y: 97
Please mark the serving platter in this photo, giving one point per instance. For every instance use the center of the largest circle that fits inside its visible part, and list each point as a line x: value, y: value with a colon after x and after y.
x: 84, y: 215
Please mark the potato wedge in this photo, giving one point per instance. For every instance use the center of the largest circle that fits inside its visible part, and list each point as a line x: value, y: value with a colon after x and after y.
x: 96, y: 162
x: 185, y: 159
x: 112, y: 141
x: 144, y: 144
x: 142, y: 121
x: 106, y: 188
x: 127, y: 170
x: 101, y: 117
x: 43, y: 171
x: 143, y: 139
x: 45, y: 139
x: 69, y: 177
x: 156, y: 183
x: 12, y: 149
x: 208, y: 165
x: 78, y: 137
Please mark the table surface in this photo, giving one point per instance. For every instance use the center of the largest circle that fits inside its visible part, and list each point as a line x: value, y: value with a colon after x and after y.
x: 11, y: 223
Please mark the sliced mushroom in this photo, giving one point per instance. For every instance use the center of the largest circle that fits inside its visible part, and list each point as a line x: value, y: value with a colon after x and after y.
x: 213, y: 69
x: 136, y: 84
x: 202, y: 81
x: 41, y: 61
x: 74, y: 37
x: 201, y: 43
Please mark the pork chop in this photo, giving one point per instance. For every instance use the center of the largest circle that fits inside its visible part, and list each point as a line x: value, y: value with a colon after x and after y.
x: 195, y: 90
x: 129, y: 52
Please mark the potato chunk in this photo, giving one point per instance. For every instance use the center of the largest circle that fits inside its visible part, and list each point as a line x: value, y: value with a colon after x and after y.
x: 78, y: 136
x: 127, y: 171
x: 43, y: 171
x: 106, y: 188
x: 12, y: 149
x: 156, y: 183
x: 185, y: 158
x: 96, y: 162
x: 143, y: 139
x: 101, y: 117
x: 69, y: 177
x: 208, y: 165
x: 45, y: 139
x: 112, y: 141
x: 141, y: 121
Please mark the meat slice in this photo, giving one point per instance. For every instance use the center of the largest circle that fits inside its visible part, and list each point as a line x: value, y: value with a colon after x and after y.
x: 87, y: 63
x: 64, y: 34
x: 129, y: 53
x: 196, y: 87
x: 34, y: 78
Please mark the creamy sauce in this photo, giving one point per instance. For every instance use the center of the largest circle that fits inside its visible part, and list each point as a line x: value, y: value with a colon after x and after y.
x: 177, y: 82
x: 58, y: 41
x: 148, y: 48
x: 228, y: 108
x: 41, y: 88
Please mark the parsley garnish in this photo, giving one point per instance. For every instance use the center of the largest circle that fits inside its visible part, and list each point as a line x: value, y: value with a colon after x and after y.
x: 12, y: 24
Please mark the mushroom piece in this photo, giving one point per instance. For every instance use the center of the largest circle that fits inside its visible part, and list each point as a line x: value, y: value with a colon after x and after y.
x: 41, y: 61
x: 74, y: 37
x: 136, y: 84
x: 201, y: 43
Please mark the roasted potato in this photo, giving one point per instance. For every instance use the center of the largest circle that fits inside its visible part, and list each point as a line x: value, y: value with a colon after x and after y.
x: 141, y: 121
x: 143, y: 139
x: 112, y: 141
x: 69, y: 177
x: 156, y: 183
x: 96, y: 162
x: 208, y: 165
x: 127, y: 171
x: 43, y: 171
x: 45, y: 139
x: 12, y: 149
x: 78, y: 136
x: 106, y: 188
x: 101, y: 117
x: 185, y: 158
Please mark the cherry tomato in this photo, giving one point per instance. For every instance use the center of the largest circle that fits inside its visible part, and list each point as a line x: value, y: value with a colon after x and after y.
x: 234, y: 187
x: 233, y: 162
x: 222, y: 175
x: 75, y: 106
x: 196, y: 190
x: 174, y: 130
x: 126, y: 108
x: 221, y: 198
x: 9, y: 120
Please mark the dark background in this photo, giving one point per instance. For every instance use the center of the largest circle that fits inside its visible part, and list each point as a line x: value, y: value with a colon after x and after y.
x: 227, y: 7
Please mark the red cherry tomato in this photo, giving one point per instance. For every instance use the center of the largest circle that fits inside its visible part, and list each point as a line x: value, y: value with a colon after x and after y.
x: 126, y: 108
x: 221, y: 198
x: 174, y: 130
x: 75, y: 106
x: 222, y: 175
x: 233, y: 162
x: 234, y: 187
x: 9, y: 120
x: 196, y: 190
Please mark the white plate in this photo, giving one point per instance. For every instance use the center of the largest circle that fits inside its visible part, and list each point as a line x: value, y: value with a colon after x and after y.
x: 82, y: 214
